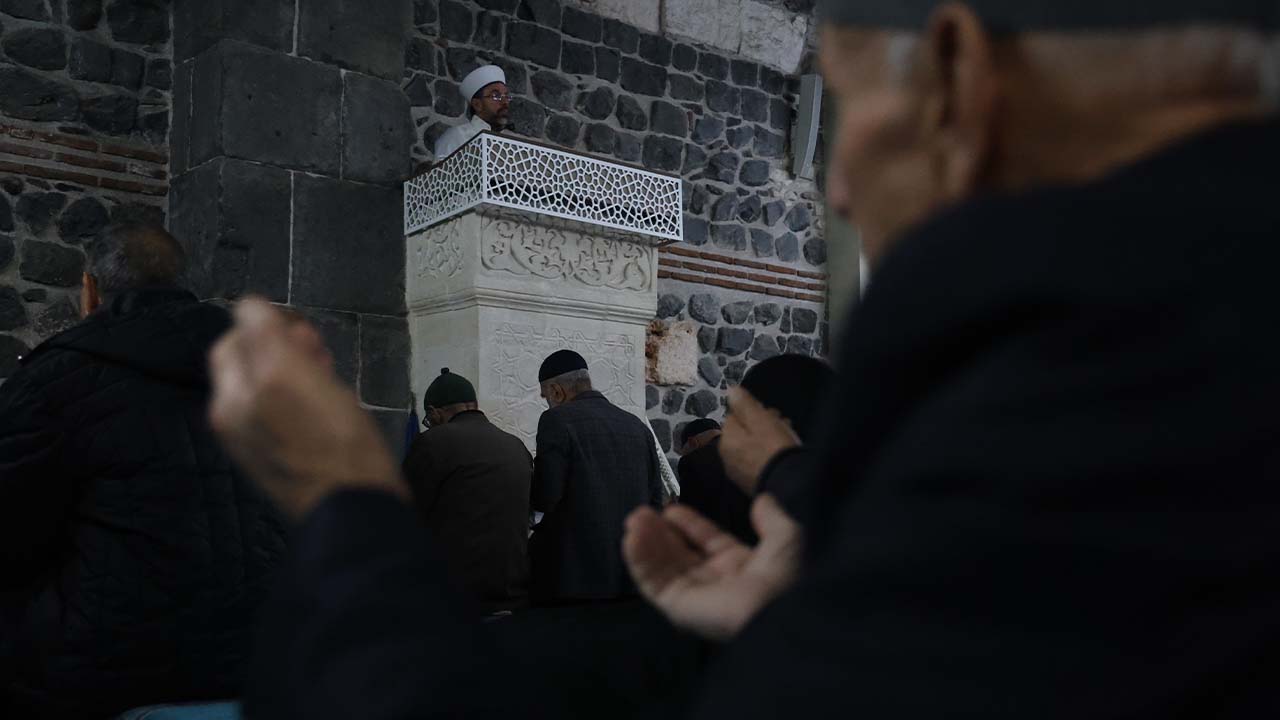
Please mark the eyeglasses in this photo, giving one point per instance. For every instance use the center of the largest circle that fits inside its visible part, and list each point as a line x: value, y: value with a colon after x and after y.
x: 498, y: 97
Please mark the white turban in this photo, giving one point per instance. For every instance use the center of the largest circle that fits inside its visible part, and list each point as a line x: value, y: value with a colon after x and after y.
x: 475, y: 80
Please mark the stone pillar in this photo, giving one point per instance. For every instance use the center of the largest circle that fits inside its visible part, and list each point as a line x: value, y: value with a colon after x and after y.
x: 492, y: 294
x: 290, y: 139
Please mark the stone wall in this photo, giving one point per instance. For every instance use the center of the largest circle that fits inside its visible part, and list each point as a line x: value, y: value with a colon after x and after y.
x: 290, y: 145
x: 84, y: 120
x: 703, y: 89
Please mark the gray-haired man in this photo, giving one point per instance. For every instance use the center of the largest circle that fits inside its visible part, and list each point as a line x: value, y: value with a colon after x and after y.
x: 132, y: 556
x: 595, y: 464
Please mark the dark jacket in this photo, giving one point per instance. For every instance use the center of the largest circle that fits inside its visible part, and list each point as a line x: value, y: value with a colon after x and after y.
x: 132, y: 556
x: 470, y: 482
x: 705, y: 487
x: 595, y: 464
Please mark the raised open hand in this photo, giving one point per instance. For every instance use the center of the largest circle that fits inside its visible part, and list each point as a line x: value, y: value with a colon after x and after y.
x: 702, y: 578
x: 285, y: 417
x: 752, y: 435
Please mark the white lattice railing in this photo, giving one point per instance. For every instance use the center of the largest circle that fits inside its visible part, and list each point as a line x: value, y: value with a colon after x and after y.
x: 505, y: 172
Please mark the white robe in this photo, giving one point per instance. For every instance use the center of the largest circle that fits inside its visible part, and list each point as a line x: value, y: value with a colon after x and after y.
x: 458, y: 135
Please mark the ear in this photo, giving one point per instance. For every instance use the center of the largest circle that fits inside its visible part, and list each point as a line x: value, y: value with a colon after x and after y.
x: 963, y: 93
x: 476, y: 104
x: 90, y: 300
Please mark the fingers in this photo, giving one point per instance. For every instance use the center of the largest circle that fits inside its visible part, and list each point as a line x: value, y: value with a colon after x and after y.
x: 744, y: 406
x: 699, y: 531
x: 769, y: 519
x: 655, y: 553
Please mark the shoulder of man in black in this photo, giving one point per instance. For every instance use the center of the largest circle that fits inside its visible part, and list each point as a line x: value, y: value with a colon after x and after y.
x: 1056, y: 421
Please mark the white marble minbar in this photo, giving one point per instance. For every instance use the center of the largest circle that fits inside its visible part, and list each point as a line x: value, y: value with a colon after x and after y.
x: 516, y: 250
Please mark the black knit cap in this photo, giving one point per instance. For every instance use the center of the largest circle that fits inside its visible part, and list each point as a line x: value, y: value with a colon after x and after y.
x: 791, y: 384
x: 1058, y: 15
x: 559, y: 363
x: 697, y: 427
x: 448, y: 389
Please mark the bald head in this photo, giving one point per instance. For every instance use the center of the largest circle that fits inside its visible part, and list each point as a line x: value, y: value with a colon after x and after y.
x: 134, y: 256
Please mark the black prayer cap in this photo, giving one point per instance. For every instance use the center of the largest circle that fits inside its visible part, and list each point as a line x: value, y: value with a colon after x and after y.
x: 1059, y: 15
x: 559, y: 363
x: 697, y: 427
x: 448, y: 389
x: 793, y: 385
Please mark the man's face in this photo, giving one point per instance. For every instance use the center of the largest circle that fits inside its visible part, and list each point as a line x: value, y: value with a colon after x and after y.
x: 881, y: 175
x: 552, y: 393
x: 493, y: 104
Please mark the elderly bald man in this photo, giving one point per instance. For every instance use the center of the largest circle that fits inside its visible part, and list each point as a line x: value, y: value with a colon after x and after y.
x: 1049, y: 467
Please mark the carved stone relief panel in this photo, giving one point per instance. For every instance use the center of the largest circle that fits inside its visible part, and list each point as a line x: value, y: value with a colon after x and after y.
x: 515, y: 352
x: 438, y: 251
x: 559, y: 254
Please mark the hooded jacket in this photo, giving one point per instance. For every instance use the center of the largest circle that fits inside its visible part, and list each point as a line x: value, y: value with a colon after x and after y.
x: 132, y: 555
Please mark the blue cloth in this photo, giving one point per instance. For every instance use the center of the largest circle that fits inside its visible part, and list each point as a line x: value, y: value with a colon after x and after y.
x: 410, y: 432
x: 194, y: 711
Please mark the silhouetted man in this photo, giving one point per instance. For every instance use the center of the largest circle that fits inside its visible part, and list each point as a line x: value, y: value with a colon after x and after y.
x: 132, y: 555
x: 595, y: 464
x: 470, y: 482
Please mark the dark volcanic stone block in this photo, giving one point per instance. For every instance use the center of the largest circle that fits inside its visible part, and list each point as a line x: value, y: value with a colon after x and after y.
x: 563, y: 130
x: 13, y: 314
x: 631, y: 114
x: 642, y: 78
x: 456, y: 21
x: 38, y: 209
x: 608, y: 64
x: 460, y: 62
x: 597, y: 104
x: 348, y: 246
x: 392, y: 423
x: 358, y: 36
x: 90, y: 60
x: 25, y: 9
x: 552, y: 89
x: 489, y: 28
x: 259, y: 105
x: 707, y: 129
x: 528, y: 118
x: 82, y: 220
x: 662, y: 153
x: 384, y: 360
x: 656, y: 49
x: 755, y: 106
x: 734, y: 341
x: 577, y: 58
x: 722, y: 97
x: 755, y: 173
x: 669, y: 119
x: 340, y: 332
x: 684, y: 57
x: 744, y: 73
x: 684, y: 87
x: 582, y: 25
x: 788, y: 247
x: 115, y: 114
x: 713, y: 66
x: 621, y: 36
x: 695, y: 230
x: 38, y: 47
x: 377, y: 130
x: 534, y: 43
x: 233, y: 217
x: 449, y: 100
x: 601, y: 138
x: 145, y: 22
x: 51, y: 264
x: 29, y: 96
x: 201, y: 24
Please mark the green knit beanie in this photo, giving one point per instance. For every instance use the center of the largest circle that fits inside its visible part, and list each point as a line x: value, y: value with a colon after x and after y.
x: 448, y: 389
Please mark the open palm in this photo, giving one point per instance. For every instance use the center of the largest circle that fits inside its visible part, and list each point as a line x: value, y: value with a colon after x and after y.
x: 704, y: 579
